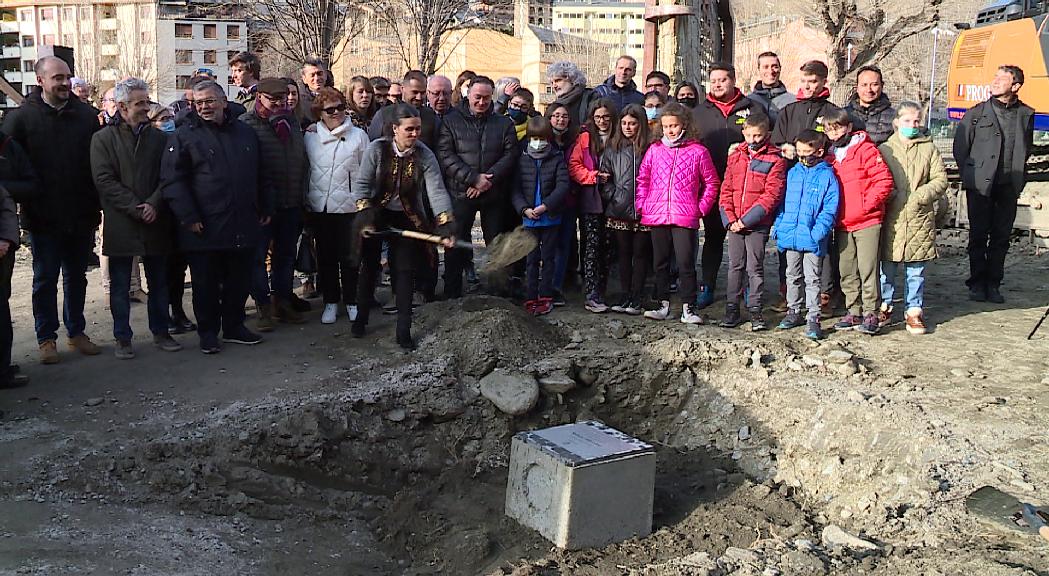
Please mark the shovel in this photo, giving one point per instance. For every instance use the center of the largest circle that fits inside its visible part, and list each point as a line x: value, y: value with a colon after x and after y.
x: 1005, y: 511
x: 431, y: 238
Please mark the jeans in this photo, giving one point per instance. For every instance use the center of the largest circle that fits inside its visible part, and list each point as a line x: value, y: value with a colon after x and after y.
x: 220, y: 289
x: 565, y: 234
x: 283, y: 231
x: 70, y: 254
x: 914, y: 294
x: 541, y: 262
x: 120, y: 268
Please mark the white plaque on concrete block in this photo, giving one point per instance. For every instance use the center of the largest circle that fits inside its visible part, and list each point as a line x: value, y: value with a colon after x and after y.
x: 582, y: 485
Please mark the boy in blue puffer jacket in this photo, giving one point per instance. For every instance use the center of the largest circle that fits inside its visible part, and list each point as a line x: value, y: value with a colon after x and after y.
x: 803, y: 226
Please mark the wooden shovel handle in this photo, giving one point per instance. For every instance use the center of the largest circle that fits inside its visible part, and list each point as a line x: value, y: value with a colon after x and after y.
x: 431, y: 238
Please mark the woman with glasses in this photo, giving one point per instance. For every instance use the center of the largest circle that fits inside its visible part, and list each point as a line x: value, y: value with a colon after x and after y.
x: 335, y: 148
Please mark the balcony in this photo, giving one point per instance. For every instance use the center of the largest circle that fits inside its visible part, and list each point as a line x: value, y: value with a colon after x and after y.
x: 8, y: 27
x: 10, y: 52
x: 109, y: 50
x: 107, y: 24
x: 13, y: 76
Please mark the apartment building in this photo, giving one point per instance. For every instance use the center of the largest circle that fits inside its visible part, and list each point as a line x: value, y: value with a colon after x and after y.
x: 619, y: 24
x: 163, y: 42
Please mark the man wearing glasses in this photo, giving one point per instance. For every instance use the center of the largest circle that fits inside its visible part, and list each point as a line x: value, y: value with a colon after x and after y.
x: 283, y: 174
x: 220, y: 217
x: 657, y: 81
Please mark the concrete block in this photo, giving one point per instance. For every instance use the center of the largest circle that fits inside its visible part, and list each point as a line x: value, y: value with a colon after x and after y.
x: 582, y: 485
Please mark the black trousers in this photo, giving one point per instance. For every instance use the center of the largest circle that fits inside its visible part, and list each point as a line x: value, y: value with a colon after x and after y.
x: 682, y: 241
x: 990, y: 225
x: 176, y: 276
x: 635, y: 256
x: 336, y: 269
x: 7, y: 267
x: 713, y: 247
x: 407, y: 258
x: 221, y: 280
x: 540, y: 262
x: 493, y: 223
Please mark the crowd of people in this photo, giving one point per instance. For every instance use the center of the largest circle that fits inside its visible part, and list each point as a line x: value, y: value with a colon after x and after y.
x: 242, y: 190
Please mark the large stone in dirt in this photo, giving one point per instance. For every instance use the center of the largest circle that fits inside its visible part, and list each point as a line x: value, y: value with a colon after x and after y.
x: 834, y: 536
x: 556, y: 383
x: 512, y: 393
x: 581, y: 485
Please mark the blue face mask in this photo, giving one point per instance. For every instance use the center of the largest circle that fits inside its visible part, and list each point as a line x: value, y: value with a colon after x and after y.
x: 518, y: 116
x: 910, y: 132
x: 652, y: 113
x: 167, y: 126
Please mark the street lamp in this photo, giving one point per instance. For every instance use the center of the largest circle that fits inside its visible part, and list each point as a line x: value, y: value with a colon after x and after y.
x: 936, y: 32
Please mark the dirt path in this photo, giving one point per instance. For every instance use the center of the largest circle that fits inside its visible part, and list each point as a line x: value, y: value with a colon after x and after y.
x: 314, y: 453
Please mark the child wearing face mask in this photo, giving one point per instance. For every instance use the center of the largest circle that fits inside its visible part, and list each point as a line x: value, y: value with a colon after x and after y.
x: 751, y: 193
x: 677, y: 185
x: 654, y: 102
x: 866, y: 184
x: 542, y: 189
x: 802, y: 229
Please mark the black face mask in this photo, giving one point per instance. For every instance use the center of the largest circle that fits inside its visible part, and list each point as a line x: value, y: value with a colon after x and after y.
x: 843, y: 141
x: 689, y: 102
x: 810, y: 160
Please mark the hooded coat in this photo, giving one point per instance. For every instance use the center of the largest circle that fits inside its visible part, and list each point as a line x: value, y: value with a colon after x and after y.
x: 908, y: 233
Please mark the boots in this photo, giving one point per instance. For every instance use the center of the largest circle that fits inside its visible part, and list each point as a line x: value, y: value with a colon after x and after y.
x: 285, y: 311
x: 264, y: 317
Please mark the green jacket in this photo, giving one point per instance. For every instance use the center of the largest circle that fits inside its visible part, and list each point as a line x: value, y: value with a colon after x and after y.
x: 908, y: 233
x: 126, y: 169
x: 285, y: 170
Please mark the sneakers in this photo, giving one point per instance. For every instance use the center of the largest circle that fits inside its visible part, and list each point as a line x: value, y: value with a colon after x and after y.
x: 264, y: 318
x: 633, y: 308
x: 705, y: 297
x: 124, y: 351
x: 757, y: 320
x: 813, y: 330
x: 885, y: 315
x: 661, y: 313
x: 620, y: 308
x: 994, y: 295
x: 849, y: 322
x: 181, y: 325
x: 689, y: 314
x: 529, y: 305
x: 869, y: 326
x: 209, y: 344
x: 351, y: 311
x: 915, y: 322
x: 792, y: 320
x: 48, y: 352
x: 166, y: 343
x: 285, y: 311
x: 241, y: 336
x: 543, y: 306
x: 596, y: 306
x: 81, y: 343
x: 732, y: 318
x: 329, y: 314
x: 559, y: 298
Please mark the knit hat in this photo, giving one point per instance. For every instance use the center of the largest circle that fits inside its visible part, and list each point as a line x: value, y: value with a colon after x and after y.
x: 273, y: 87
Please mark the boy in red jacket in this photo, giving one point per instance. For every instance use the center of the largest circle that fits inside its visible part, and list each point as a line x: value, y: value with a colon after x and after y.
x: 866, y: 184
x: 755, y: 181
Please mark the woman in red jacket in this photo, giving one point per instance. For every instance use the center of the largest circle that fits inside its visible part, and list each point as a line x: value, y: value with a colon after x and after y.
x: 866, y: 184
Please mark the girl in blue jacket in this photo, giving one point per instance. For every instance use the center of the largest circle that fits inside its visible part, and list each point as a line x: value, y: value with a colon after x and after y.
x: 803, y: 227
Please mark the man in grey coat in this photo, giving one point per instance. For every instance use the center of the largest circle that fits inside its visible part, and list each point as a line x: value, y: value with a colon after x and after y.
x: 769, y: 91
x: 125, y: 164
x: 991, y: 145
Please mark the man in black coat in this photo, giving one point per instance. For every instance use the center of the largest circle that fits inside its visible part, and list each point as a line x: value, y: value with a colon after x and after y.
x: 720, y: 118
x: 870, y: 108
x: 991, y: 145
x: 17, y: 178
x: 414, y: 93
x: 210, y: 179
x: 478, y: 152
x: 63, y: 212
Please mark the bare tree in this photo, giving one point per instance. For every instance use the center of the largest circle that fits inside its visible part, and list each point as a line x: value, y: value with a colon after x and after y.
x: 861, y: 36
x: 302, y: 29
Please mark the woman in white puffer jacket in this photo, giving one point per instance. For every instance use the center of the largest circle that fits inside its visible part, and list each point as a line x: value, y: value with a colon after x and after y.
x: 335, y: 149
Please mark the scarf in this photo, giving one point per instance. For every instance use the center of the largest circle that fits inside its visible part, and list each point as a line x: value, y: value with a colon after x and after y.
x: 825, y: 93
x: 278, y: 119
x: 681, y: 139
x: 725, y: 107
x: 571, y: 97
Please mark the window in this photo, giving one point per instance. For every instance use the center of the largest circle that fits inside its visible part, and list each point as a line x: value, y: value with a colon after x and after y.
x: 47, y: 14
x: 27, y: 42
x: 181, y: 82
x: 183, y: 56
x: 47, y: 40
x: 209, y: 57
x: 85, y: 12
x: 69, y: 13
x: 231, y: 54
x: 108, y: 11
x: 229, y: 80
x: 145, y: 11
x: 211, y: 31
x: 25, y: 15
x: 183, y: 30
x: 27, y: 65
x: 233, y: 32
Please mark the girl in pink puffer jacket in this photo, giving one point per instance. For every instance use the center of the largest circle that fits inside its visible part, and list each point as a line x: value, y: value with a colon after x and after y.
x: 677, y: 185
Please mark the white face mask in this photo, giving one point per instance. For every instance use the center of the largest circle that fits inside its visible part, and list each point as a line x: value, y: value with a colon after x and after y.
x: 538, y: 145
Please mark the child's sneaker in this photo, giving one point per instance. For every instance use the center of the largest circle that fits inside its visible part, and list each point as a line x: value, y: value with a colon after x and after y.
x: 869, y: 326
x: 543, y: 306
x: 915, y: 322
x: 813, y: 330
x: 621, y: 308
x: 757, y: 320
x: 559, y: 298
x: 792, y: 320
x: 732, y: 318
x: 705, y: 297
x: 884, y: 315
x: 661, y: 313
x: 529, y: 306
x: 633, y: 308
x: 689, y: 314
x: 849, y: 322
x: 596, y: 306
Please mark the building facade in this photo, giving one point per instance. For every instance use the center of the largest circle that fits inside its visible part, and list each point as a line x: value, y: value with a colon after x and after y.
x: 618, y: 24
